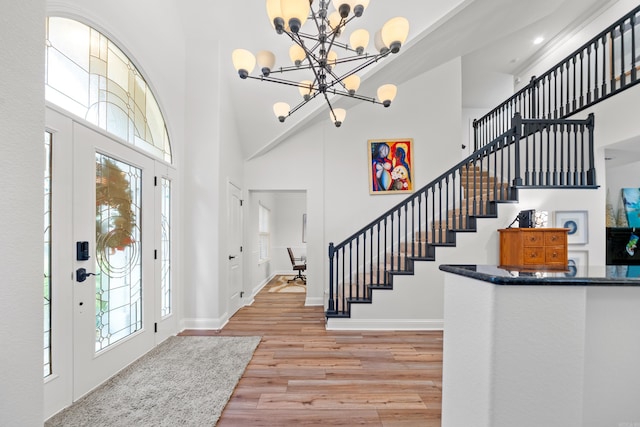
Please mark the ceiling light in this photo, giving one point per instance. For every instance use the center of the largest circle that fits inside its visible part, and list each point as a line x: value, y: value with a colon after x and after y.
x: 337, y: 116
x: 538, y: 40
x: 332, y: 65
x: 281, y: 110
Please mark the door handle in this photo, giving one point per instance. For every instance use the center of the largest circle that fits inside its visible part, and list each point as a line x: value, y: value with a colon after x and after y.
x: 81, y: 275
x: 232, y: 256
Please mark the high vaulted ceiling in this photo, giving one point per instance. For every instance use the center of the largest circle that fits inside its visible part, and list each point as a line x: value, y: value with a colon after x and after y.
x: 491, y: 35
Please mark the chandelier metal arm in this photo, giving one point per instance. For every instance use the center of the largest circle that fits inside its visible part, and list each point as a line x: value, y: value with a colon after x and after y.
x: 355, y: 95
x: 318, y: 53
x: 276, y: 80
x: 329, y: 90
x: 371, y: 59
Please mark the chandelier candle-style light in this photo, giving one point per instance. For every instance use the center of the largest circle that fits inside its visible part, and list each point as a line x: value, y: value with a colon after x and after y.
x: 322, y: 53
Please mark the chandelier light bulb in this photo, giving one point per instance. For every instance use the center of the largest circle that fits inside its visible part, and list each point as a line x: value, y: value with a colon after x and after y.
x: 274, y: 11
x: 379, y: 44
x: 395, y: 32
x: 337, y: 116
x: 352, y: 83
x: 359, y: 7
x: 295, y: 13
x: 359, y: 40
x: 297, y: 54
x: 343, y: 7
x: 387, y: 93
x: 266, y: 60
x: 306, y: 89
x: 281, y: 110
x: 243, y: 61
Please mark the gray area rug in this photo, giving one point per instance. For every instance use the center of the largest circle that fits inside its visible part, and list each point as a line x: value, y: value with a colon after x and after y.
x: 185, y: 381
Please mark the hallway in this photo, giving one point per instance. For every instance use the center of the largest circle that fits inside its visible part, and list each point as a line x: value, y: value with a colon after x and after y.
x: 302, y: 374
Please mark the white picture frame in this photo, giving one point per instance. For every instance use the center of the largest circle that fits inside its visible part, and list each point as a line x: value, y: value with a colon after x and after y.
x: 577, y: 223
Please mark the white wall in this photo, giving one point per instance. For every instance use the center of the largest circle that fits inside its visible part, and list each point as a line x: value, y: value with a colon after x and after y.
x: 331, y: 164
x: 21, y: 226
x: 257, y: 272
x: 290, y: 206
x: 481, y: 92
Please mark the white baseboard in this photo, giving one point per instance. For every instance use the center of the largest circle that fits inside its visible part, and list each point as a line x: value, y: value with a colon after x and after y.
x: 334, y: 324
x: 204, y: 323
x: 314, y: 301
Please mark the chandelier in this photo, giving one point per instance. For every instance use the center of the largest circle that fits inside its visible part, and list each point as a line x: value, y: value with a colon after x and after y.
x: 318, y: 53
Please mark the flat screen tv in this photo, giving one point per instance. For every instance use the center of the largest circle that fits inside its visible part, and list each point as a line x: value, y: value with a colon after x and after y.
x: 623, y: 246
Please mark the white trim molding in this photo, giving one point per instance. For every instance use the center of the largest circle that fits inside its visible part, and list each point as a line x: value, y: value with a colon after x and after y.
x: 339, y: 324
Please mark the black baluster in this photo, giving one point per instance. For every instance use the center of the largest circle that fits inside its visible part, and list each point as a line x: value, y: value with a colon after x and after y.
x: 330, y: 305
x: 575, y: 97
x: 420, y: 223
x: 413, y: 227
x: 589, y: 64
x: 604, y: 65
x: 385, y: 250
x: 633, y: 48
x: 351, y: 269
x: 378, y: 257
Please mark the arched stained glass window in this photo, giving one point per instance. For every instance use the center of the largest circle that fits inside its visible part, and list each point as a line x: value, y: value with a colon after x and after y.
x: 87, y: 75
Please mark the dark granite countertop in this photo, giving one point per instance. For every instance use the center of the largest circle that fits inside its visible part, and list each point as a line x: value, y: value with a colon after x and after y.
x: 609, y: 275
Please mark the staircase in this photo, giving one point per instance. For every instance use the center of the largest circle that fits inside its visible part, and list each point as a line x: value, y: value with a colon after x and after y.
x: 528, y: 141
x: 456, y: 202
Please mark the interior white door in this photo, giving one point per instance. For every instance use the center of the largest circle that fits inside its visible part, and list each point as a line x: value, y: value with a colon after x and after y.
x: 113, y: 212
x: 234, y: 240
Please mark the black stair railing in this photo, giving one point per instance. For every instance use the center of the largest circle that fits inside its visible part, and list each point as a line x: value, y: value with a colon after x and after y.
x: 599, y: 69
x: 531, y: 153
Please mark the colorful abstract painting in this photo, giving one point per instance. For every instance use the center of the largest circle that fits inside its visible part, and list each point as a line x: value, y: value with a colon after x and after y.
x: 390, y: 166
x: 631, y: 199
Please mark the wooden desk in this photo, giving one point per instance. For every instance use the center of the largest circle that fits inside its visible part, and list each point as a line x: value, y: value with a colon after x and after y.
x: 533, y: 246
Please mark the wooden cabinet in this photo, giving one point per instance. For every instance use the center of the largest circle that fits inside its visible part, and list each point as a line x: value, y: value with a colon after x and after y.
x: 533, y: 246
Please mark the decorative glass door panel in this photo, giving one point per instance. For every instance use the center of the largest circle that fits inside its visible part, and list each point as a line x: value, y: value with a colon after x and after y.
x: 165, y: 244
x: 118, y: 250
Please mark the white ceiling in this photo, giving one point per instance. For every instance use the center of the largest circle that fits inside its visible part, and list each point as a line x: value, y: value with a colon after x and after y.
x: 491, y: 35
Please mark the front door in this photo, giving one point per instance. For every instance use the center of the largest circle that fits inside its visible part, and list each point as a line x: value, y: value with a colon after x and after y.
x: 113, y: 292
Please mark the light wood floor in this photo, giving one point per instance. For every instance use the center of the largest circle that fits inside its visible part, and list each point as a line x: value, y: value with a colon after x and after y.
x: 303, y: 375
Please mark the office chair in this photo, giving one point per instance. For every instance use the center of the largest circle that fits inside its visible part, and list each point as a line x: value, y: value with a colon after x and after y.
x: 298, y: 267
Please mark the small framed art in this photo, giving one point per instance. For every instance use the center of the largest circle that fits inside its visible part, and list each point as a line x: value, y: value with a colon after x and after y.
x: 576, y: 222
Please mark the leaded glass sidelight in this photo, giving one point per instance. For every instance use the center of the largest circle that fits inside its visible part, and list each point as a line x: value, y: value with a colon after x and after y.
x: 166, y: 248
x: 47, y: 254
x: 118, y: 250
x: 89, y: 76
